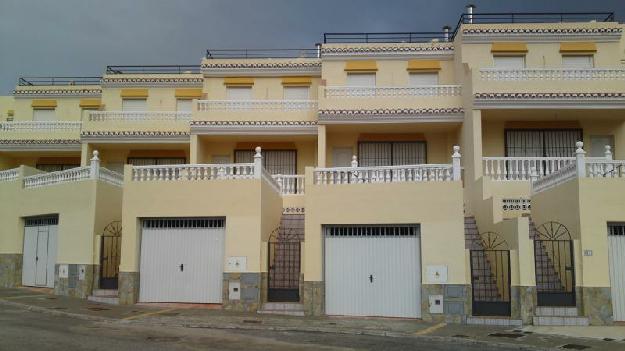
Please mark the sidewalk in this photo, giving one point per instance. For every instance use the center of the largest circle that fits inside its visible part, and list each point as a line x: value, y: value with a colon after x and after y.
x: 190, y: 316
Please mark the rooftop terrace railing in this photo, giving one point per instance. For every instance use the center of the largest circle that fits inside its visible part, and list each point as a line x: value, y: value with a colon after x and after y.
x: 37, y: 81
x: 260, y: 53
x: 381, y: 37
x: 153, y: 69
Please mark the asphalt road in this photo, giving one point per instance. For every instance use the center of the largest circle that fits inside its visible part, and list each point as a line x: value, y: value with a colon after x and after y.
x: 21, y: 329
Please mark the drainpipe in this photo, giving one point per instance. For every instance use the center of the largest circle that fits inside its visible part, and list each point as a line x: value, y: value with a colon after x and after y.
x: 446, y: 33
x: 318, y: 46
x: 470, y: 9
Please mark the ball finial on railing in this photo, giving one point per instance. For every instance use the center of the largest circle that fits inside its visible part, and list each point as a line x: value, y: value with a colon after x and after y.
x: 257, y: 149
x: 580, y: 147
x: 95, y: 155
x: 456, y: 151
x: 354, y: 161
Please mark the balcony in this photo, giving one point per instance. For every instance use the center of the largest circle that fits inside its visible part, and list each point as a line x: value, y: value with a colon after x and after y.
x: 40, y: 130
x: 255, y: 110
x: 111, y: 122
x: 550, y: 74
x: 384, y: 92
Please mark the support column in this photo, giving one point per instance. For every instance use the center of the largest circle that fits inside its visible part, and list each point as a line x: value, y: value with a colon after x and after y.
x: 321, y: 146
x: 86, y: 151
x: 472, y: 144
x: 195, y: 152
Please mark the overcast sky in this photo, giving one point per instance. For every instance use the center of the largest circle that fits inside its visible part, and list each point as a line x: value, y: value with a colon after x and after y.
x: 81, y: 37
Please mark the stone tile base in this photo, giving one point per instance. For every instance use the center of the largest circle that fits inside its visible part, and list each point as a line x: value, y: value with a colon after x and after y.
x: 250, y: 291
x: 314, y: 298
x: 79, y: 282
x: 456, y: 302
x: 128, y: 289
x: 596, y: 305
x: 10, y: 270
x: 523, y: 303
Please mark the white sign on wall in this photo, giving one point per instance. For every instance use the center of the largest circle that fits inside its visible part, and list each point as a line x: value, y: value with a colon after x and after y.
x: 63, y: 271
x: 436, y: 274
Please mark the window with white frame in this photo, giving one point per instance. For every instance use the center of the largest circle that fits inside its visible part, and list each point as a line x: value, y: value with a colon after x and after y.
x: 578, y: 61
x: 296, y: 93
x: 134, y: 105
x: 44, y: 115
x: 509, y: 62
x: 360, y: 79
x: 429, y: 78
x: 239, y: 93
x: 391, y: 153
x: 184, y: 105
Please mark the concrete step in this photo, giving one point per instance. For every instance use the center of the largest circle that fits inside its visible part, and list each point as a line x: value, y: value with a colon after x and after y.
x: 104, y: 292
x: 282, y: 313
x: 111, y: 300
x: 505, y: 322
x: 556, y: 312
x: 561, y: 321
x: 282, y: 308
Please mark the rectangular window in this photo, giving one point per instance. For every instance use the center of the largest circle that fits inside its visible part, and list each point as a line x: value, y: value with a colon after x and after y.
x: 360, y: 79
x: 134, y: 105
x: 239, y: 93
x: 184, y: 105
x: 417, y: 79
x: 578, y: 61
x: 274, y: 161
x: 509, y: 62
x: 44, y: 115
x: 542, y: 142
x: 296, y: 93
x: 372, y: 154
x: 153, y: 161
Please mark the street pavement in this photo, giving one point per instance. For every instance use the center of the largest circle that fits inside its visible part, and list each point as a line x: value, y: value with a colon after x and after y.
x: 33, y: 319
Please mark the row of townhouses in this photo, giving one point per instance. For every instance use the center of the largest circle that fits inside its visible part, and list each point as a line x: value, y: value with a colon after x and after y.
x: 462, y: 176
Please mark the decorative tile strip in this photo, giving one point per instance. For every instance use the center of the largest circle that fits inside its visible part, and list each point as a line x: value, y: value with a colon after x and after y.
x: 498, y: 74
x: 139, y: 116
x: 253, y: 123
x: 373, y: 49
x: 39, y: 126
x: 517, y: 204
x: 426, y: 90
x: 40, y: 142
x: 256, y: 105
x: 256, y: 64
x: 57, y: 92
x: 112, y: 81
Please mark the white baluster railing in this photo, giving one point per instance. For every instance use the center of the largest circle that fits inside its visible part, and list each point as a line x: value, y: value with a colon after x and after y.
x: 9, y: 175
x: 384, y: 174
x: 265, y: 175
x: 515, y: 74
x: 66, y: 176
x: 258, y: 105
x: 290, y: 184
x: 40, y: 126
x: 556, y: 178
x: 192, y: 172
x: 138, y: 116
x: 361, y: 91
x: 519, y: 168
x: 605, y: 168
x: 519, y: 204
x: 108, y: 176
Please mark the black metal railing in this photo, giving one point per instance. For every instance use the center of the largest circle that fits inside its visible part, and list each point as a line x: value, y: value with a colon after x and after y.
x: 381, y: 37
x: 34, y: 81
x: 153, y: 69
x: 260, y: 53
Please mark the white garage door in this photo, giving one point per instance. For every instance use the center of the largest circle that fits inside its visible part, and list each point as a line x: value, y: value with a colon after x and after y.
x: 373, y: 271
x: 40, y: 237
x: 182, y: 260
x: 616, y: 253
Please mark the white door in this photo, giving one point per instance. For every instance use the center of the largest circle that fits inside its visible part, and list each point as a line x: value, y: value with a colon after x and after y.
x: 40, y: 246
x: 373, y: 271
x: 616, y: 253
x: 182, y: 260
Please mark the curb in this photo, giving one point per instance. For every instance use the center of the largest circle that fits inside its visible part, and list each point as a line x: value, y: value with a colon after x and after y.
x: 445, y: 339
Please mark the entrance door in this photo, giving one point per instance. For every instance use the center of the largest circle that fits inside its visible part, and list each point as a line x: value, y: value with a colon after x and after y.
x: 373, y: 271
x: 182, y: 260
x: 490, y: 282
x: 40, y: 246
x: 616, y: 253
x: 110, y: 253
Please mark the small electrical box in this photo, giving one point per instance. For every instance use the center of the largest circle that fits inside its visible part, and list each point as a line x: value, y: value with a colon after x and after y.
x: 63, y: 271
x: 234, y: 290
x: 436, y: 304
x: 81, y: 272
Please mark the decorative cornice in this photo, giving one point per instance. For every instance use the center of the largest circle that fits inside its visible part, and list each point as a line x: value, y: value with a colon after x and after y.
x: 254, y: 127
x: 293, y: 210
x: 434, y: 50
x: 57, y: 92
x: 112, y: 82
x: 549, y: 100
x: 475, y: 35
x: 39, y: 144
x: 407, y: 115
x: 236, y: 68
x: 136, y: 136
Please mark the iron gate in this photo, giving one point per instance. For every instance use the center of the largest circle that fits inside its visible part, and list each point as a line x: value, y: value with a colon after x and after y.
x: 110, y: 252
x: 490, y: 277
x: 284, y: 267
x: 555, y: 272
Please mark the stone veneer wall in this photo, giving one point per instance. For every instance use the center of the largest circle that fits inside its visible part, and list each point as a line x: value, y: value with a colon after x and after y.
x: 456, y: 302
x: 128, y: 289
x: 314, y: 298
x: 250, y: 284
x: 596, y: 305
x: 10, y: 270
x: 74, y: 285
x: 523, y: 303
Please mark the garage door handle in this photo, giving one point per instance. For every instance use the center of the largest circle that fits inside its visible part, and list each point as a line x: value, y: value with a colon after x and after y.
x: 182, y: 267
x: 370, y: 278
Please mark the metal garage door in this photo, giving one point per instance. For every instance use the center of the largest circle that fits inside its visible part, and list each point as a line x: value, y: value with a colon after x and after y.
x: 40, y: 246
x: 182, y: 260
x: 616, y: 252
x: 373, y: 271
